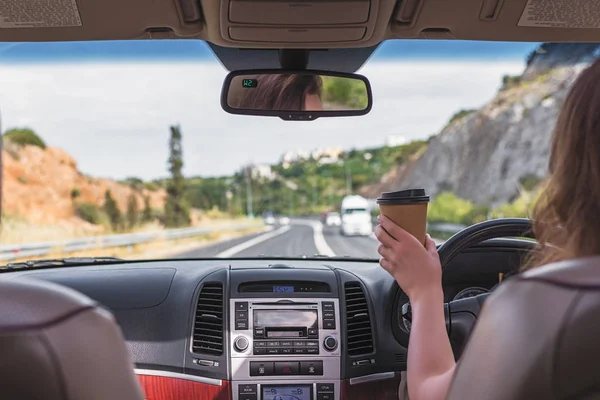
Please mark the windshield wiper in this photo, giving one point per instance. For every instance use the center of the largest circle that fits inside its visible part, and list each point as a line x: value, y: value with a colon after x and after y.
x: 60, y: 262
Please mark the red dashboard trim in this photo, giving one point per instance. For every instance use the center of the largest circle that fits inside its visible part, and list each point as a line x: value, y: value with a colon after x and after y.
x: 165, y: 388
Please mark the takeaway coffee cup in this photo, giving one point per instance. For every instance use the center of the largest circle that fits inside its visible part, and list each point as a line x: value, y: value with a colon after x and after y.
x: 408, y: 209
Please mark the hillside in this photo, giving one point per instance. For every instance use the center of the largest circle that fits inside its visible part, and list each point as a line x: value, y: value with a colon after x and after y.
x: 489, y: 155
x: 42, y: 186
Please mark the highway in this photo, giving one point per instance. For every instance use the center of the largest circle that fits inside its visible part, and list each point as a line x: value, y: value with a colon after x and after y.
x: 300, y: 238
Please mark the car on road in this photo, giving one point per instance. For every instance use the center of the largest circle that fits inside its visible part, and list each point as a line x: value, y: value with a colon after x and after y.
x: 269, y: 218
x: 333, y: 219
x: 284, y: 220
x: 356, y: 217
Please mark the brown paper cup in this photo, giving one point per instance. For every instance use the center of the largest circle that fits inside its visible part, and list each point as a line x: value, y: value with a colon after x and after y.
x: 408, y: 210
x: 410, y: 217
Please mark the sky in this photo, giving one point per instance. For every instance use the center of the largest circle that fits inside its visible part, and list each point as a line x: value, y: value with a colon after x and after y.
x: 110, y: 104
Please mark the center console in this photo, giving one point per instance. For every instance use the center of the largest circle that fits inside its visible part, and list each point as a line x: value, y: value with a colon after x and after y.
x: 285, y: 341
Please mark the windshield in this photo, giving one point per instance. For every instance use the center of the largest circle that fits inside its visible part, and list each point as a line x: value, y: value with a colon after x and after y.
x: 121, y: 149
x: 354, y: 210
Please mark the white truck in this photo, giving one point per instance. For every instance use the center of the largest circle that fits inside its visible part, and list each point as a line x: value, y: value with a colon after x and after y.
x: 356, y: 217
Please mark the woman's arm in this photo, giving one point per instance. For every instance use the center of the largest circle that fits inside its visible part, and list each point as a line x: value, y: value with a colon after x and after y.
x: 418, y: 271
x: 430, y: 359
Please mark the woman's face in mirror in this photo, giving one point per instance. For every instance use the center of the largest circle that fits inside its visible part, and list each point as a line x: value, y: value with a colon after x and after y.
x: 312, y: 102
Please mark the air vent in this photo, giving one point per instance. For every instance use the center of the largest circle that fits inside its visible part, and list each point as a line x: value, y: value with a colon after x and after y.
x: 358, y: 323
x: 208, y: 325
x: 400, y: 358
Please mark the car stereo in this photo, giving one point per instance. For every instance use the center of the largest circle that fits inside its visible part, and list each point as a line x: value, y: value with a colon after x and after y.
x: 283, y: 348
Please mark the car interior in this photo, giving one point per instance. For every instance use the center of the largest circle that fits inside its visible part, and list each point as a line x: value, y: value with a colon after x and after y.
x: 312, y: 328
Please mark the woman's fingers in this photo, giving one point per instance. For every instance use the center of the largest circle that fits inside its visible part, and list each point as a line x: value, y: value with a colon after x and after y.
x: 386, y: 264
x: 385, y: 251
x: 431, y: 247
x: 384, y: 237
x: 392, y: 229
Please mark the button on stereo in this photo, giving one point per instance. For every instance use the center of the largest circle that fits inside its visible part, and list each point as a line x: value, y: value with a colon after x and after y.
x: 324, y: 387
x: 241, y: 315
x: 324, y: 396
x: 330, y: 343
x: 259, y: 368
x: 277, y: 368
x: 328, y: 316
x: 287, y: 368
x: 273, y: 347
x: 311, y: 368
x: 241, y: 344
x: 248, y: 392
x: 325, y: 391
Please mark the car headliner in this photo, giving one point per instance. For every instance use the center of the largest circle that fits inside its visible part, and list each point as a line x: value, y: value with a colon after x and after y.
x: 210, y: 20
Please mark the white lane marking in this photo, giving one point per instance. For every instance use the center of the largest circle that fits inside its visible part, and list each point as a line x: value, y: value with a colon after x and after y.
x: 252, y: 242
x: 323, y: 248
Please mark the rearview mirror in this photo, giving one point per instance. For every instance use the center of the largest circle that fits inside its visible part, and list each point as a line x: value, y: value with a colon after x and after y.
x: 296, y: 95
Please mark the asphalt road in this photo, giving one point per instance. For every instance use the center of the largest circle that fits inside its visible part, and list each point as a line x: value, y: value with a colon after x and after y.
x: 301, y: 238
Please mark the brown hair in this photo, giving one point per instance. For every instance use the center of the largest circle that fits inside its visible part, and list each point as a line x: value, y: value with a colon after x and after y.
x: 567, y: 215
x: 283, y: 92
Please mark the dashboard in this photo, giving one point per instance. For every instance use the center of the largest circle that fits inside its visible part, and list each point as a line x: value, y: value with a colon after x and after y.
x: 266, y: 329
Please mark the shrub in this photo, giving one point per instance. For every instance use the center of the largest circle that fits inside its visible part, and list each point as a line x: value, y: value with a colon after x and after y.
x: 22, y: 179
x: 24, y: 137
x: 509, y: 81
x: 133, y: 214
x: 447, y: 207
x: 91, y: 213
x: 75, y: 193
x: 460, y: 115
x: 530, y: 181
x: 152, y: 186
x: 112, y: 211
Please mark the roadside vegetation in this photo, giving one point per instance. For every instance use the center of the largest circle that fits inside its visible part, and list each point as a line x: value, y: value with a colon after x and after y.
x: 23, y: 137
x: 350, y: 93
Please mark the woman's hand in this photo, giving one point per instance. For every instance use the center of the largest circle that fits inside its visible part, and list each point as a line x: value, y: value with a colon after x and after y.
x: 417, y: 269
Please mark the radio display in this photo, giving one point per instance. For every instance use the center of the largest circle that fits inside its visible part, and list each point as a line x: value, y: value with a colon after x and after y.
x: 303, y: 392
x: 283, y: 289
x: 285, y: 318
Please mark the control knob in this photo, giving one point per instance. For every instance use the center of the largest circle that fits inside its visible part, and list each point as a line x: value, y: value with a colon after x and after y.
x: 330, y: 343
x: 241, y: 344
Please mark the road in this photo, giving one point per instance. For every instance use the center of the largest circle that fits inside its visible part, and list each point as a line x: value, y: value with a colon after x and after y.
x: 300, y: 238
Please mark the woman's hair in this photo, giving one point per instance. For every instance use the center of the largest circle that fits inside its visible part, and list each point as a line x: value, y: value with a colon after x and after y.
x: 283, y: 92
x: 567, y: 215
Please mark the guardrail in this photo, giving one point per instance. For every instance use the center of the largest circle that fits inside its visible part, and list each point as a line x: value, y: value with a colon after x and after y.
x: 20, y: 251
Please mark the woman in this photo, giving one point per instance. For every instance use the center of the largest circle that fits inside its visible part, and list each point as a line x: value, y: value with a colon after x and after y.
x: 567, y: 220
x: 284, y: 92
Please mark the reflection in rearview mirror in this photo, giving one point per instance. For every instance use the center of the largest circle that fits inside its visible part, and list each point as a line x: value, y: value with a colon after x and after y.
x: 278, y: 93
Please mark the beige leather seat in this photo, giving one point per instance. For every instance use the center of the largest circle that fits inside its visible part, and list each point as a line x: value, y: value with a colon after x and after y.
x: 57, y: 344
x: 538, y: 337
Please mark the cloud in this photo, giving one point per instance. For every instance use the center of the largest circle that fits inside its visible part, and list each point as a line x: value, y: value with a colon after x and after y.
x: 114, y: 118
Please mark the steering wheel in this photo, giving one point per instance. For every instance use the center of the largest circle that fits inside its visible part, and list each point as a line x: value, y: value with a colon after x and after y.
x: 462, y: 314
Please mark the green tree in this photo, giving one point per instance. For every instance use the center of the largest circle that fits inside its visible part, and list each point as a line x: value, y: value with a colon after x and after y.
x: 176, y: 210
x: 132, y: 211
x: 147, y: 212
x: 24, y: 136
x: 91, y: 213
x: 112, y: 210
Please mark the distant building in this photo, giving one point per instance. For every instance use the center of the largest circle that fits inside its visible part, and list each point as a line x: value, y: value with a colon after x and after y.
x: 393, y: 141
x: 332, y: 153
x: 262, y: 171
x: 294, y: 156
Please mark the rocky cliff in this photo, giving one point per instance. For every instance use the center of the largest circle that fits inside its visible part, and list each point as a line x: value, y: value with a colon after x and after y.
x: 38, y: 185
x: 488, y: 155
